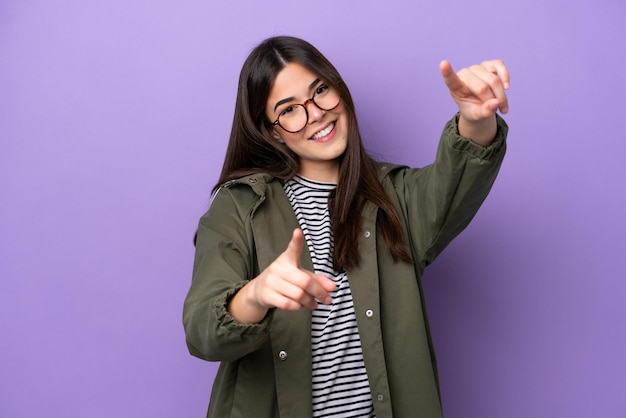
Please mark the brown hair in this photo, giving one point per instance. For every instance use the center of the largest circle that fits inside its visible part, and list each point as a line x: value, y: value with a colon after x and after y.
x: 251, y: 148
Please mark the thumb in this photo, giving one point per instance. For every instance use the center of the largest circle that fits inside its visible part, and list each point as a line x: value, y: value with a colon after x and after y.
x: 490, y: 107
x: 295, y: 247
x: 495, y: 105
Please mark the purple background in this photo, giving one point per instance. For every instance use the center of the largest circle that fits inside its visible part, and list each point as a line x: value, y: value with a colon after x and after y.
x: 114, y: 117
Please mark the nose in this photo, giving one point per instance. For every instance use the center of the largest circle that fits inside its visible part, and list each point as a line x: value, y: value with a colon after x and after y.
x: 315, y: 113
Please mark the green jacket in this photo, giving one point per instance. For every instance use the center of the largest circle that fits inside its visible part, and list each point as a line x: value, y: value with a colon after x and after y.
x: 265, y: 368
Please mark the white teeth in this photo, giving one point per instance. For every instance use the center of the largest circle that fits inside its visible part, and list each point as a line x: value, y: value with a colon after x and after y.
x: 324, y: 132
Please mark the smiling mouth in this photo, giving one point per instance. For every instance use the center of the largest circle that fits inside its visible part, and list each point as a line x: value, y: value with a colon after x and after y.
x: 324, y: 132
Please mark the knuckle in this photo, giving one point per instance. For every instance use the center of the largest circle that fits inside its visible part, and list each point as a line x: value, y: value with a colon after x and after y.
x: 462, y: 72
x: 299, y: 294
x: 483, y: 89
x: 271, y: 277
x: 308, y: 280
x: 493, y: 80
x: 284, y: 305
x: 303, y: 280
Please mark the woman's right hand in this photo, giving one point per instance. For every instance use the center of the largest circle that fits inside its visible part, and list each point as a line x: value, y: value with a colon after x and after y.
x: 283, y: 285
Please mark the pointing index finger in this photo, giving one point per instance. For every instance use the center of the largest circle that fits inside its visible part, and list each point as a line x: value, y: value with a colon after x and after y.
x: 451, y: 79
x: 295, y: 247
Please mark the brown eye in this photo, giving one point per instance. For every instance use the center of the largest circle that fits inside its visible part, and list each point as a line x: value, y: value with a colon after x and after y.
x: 287, y: 110
x: 321, y: 90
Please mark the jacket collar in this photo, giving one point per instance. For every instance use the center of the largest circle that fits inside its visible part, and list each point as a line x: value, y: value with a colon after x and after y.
x: 384, y: 169
x: 259, y: 182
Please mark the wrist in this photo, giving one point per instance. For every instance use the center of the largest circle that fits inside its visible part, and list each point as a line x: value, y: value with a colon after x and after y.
x: 481, y: 132
x: 244, y: 306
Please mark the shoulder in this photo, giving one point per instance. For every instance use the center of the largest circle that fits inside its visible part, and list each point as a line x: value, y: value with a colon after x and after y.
x: 240, y: 195
x: 389, y: 172
x: 251, y: 186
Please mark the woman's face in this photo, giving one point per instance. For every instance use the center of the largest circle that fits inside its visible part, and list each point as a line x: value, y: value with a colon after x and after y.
x: 324, y: 136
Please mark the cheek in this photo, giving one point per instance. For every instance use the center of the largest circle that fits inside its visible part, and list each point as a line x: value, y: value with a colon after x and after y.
x: 344, y: 126
x: 289, y: 138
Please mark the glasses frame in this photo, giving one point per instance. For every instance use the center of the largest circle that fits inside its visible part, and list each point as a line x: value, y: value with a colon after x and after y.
x: 306, y: 111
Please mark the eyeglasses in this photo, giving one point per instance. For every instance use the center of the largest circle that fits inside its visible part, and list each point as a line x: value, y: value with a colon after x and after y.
x: 295, y: 117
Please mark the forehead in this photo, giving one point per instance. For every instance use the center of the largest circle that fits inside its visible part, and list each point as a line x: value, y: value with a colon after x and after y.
x: 292, y: 81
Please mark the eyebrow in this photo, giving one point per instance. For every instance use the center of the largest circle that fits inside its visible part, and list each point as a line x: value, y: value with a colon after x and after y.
x: 289, y: 99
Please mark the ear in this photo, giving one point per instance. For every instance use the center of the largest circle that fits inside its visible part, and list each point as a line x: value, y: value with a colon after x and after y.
x: 277, y: 136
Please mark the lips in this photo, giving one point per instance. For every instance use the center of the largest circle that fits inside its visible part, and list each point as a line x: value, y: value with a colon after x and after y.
x: 324, y: 132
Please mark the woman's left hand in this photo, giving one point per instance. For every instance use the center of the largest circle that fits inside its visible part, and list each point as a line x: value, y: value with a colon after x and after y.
x: 479, y: 91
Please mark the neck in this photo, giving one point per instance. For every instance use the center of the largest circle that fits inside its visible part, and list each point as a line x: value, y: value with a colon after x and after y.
x: 327, y: 173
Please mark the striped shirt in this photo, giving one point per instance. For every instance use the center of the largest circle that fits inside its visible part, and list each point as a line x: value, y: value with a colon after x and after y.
x: 340, y: 384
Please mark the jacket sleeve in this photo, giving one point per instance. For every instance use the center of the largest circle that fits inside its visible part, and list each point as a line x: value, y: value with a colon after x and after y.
x: 224, y: 262
x: 441, y: 199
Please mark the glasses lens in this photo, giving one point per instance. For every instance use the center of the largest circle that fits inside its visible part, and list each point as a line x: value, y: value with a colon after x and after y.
x: 293, y: 118
x: 326, y: 98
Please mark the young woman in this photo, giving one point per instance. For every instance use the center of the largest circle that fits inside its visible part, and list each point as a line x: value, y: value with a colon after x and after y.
x: 307, y: 276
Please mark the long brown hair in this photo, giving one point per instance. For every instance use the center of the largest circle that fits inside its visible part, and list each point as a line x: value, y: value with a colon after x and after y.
x: 251, y: 148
